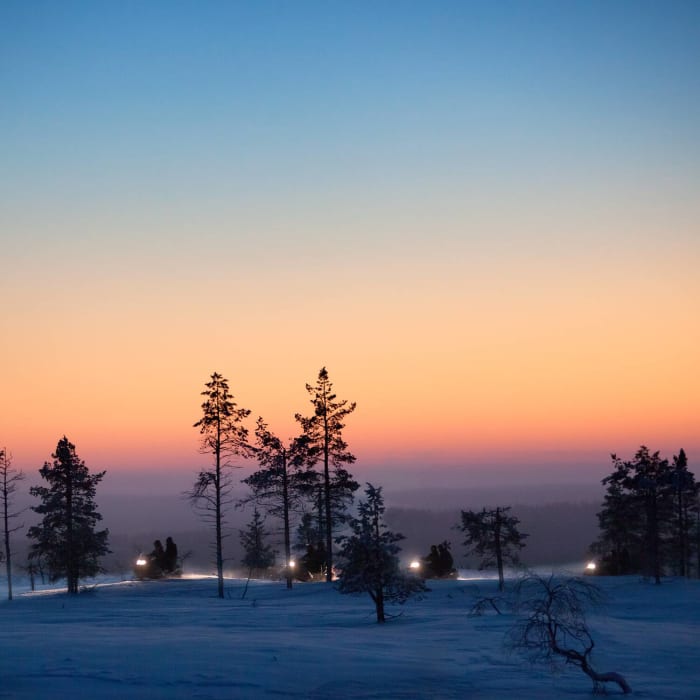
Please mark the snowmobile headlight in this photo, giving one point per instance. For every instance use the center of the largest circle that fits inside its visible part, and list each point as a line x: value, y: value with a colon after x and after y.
x: 141, y: 562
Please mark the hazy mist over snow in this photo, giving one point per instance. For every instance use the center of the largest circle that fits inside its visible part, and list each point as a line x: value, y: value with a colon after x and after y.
x: 560, y: 517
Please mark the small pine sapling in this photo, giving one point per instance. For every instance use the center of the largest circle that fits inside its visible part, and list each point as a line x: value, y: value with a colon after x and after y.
x: 368, y: 558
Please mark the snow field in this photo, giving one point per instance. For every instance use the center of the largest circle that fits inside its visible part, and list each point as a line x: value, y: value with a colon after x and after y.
x: 175, y: 639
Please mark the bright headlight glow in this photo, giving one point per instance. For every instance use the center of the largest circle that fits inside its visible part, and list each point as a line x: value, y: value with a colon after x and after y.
x: 291, y: 563
x: 415, y: 564
x: 590, y: 566
x: 141, y: 562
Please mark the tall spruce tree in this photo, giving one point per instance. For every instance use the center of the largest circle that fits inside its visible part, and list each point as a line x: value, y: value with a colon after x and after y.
x: 369, y: 561
x: 67, y: 541
x: 9, y: 479
x: 324, y: 432
x: 223, y: 437
x: 638, y: 512
x: 651, y: 480
x: 620, y: 522
x: 279, y: 485
x: 494, y: 536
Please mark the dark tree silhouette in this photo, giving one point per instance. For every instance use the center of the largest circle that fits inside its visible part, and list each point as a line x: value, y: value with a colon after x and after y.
x: 685, y: 490
x: 552, y: 625
x: 66, y: 541
x: 324, y: 432
x: 279, y: 485
x: 259, y: 556
x: 309, y: 540
x: 369, y: 562
x: 637, y: 515
x: 223, y: 437
x: 493, y: 535
x: 620, y: 523
x: 650, y: 478
x: 695, y: 535
x: 308, y: 533
x: 9, y: 479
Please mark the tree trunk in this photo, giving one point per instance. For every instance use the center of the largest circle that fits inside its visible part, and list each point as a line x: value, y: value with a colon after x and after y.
x: 6, y: 518
x: 321, y: 528
x: 654, y: 534
x: 609, y: 677
x: 379, y: 590
x: 688, y: 545
x: 379, y: 604
x: 8, y: 561
x: 499, y: 553
x: 245, y: 590
x: 219, y: 547
x: 285, y: 507
x: 327, y: 492
x: 697, y: 545
x: 71, y: 573
x: 681, y: 534
x: 581, y: 660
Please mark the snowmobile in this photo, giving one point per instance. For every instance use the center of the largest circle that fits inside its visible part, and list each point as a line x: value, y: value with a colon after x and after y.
x: 147, y: 568
x: 422, y: 568
x: 605, y: 566
x: 438, y: 564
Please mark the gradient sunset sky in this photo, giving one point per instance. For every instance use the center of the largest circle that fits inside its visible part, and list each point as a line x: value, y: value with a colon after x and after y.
x: 482, y: 217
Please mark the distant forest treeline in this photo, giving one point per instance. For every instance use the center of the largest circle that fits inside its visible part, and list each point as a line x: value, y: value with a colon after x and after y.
x: 559, y: 533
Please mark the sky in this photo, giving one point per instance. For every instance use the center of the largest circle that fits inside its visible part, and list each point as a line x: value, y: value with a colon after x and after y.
x: 482, y: 218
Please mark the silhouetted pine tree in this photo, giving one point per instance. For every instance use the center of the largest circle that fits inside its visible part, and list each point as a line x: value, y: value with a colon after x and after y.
x: 695, y: 535
x: 259, y: 556
x: 620, y: 521
x: 309, y: 540
x: 66, y: 541
x: 638, y: 514
x: 685, y: 491
x: 279, y: 486
x: 369, y: 561
x: 9, y: 478
x: 493, y: 535
x: 324, y: 432
x: 308, y: 533
x: 223, y: 437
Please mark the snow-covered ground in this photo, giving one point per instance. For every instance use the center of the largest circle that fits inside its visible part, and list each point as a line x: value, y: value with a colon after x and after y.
x: 175, y: 639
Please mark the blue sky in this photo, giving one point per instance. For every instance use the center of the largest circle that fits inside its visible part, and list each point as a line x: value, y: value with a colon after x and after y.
x: 124, y: 93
